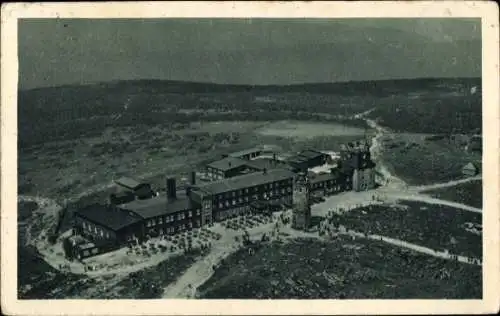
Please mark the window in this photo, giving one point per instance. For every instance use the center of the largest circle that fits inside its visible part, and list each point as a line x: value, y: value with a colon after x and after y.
x: 190, y: 214
x: 94, y: 251
x: 221, y: 205
x: 198, y: 212
x: 190, y: 225
x: 234, y: 194
x: 101, y: 232
x: 178, y: 217
x: 240, y: 200
x: 234, y: 202
x: 107, y: 235
x: 246, y: 198
x: 246, y: 190
x: 85, y: 253
x: 227, y: 203
x: 198, y: 223
x: 160, y: 220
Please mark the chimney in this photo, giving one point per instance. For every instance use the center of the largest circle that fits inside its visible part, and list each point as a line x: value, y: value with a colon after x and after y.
x: 171, y: 190
x: 192, y: 179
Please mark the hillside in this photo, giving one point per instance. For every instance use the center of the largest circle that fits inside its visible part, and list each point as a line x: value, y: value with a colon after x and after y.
x: 71, y: 112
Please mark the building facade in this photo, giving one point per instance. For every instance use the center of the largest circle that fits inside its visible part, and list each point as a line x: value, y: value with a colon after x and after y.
x: 226, y: 168
x: 247, y: 154
x: 356, y: 163
x: 233, y: 196
x: 301, y: 219
x: 140, y: 190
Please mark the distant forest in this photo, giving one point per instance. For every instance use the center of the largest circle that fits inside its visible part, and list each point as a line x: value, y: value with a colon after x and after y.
x: 70, y: 112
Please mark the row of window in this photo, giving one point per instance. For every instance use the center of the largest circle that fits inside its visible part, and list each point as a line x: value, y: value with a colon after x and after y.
x: 325, y: 184
x: 245, y: 191
x: 171, y: 218
x: 255, y: 197
x: 171, y: 230
x: 95, y: 230
x: 87, y: 253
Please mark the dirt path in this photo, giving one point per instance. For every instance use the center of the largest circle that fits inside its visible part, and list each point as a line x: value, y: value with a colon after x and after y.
x: 197, y: 274
x: 202, y: 270
x: 452, y: 183
x: 376, y: 149
x: 392, y: 241
x: 421, y: 249
x: 431, y: 200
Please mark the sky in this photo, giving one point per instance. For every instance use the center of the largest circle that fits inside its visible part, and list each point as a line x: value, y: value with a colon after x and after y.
x: 55, y: 52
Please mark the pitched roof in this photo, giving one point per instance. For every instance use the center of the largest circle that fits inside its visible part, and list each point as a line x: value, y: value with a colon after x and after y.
x: 310, y: 153
x: 128, y: 183
x: 324, y: 177
x: 266, y: 163
x: 227, y: 163
x: 108, y: 216
x: 473, y: 165
x: 245, y: 152
x: 247, y: 180
x: 157, y: 206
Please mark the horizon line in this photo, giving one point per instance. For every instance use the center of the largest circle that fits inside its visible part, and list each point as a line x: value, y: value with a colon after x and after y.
x: 242, y: 85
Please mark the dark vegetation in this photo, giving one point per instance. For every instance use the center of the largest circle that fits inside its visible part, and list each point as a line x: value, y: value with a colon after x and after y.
x: 38, y: 280
x: 150, y: 283
x: 25, y: 209
x: 438, y: 227
x: 442, y: 107
x: 70, y: 112
x: 431, y: 161
x: 360, y: 269
x: 470, y: 193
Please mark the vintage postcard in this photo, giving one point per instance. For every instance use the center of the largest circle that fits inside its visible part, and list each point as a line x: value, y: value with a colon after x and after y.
x: 250, y: 158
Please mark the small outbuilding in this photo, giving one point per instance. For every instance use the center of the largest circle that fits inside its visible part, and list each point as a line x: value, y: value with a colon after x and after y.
x: 471, y: 169
x: 140, y: 189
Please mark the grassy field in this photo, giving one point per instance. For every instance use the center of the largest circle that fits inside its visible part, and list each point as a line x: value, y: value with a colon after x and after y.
x: 63, y: 169
x: 309, y: 130
x: 73, y: 138
x: 360, y: 269
x: 430, y: 161
x: 435, y: 226
x: 470, y: 193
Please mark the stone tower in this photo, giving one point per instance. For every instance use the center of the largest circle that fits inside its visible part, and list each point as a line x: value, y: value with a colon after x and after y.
x: 301, y: 203
x: 363, y: 177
